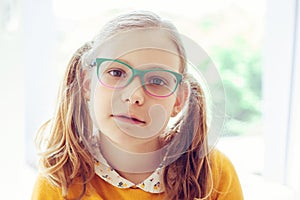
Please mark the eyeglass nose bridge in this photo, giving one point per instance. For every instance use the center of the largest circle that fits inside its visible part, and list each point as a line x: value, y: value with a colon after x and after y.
x: 138, y: 73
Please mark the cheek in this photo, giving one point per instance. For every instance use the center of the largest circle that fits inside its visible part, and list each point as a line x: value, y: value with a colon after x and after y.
x: 168, y: 105
x: 101, y: 103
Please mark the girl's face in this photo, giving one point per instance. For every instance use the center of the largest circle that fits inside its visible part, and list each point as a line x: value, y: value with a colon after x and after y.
x: 129, y: 116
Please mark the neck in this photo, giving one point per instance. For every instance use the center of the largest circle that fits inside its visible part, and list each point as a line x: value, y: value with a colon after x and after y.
x: 134, y: 166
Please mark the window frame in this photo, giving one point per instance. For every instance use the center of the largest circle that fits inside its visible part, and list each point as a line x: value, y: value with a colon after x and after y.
x: 281, y: 92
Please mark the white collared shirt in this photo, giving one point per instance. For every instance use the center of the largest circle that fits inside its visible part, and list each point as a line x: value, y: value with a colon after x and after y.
x: 152, y: 184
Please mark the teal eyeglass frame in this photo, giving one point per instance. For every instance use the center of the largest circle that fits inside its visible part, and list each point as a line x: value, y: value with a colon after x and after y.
x: 139, y: 73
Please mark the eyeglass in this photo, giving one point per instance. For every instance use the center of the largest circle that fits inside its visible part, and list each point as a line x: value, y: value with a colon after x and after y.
x: 157, y: 82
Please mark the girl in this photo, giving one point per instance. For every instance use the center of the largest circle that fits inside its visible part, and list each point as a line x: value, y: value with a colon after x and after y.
x: 109, y: 138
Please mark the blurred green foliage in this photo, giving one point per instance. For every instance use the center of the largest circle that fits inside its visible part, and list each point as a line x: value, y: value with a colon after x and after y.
x: 240, y: 69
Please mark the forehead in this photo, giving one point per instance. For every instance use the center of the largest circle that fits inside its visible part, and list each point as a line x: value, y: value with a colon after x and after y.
x: 141, y: 46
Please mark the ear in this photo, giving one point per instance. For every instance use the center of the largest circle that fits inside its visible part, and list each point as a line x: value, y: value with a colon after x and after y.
x: 181, y: 98
x: 86, y: 84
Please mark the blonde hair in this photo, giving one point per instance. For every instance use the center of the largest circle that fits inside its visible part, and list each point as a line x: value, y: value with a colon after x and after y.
x: 66, y: 156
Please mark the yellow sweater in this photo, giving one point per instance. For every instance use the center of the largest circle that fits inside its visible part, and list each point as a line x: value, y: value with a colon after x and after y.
x: 225, y: 181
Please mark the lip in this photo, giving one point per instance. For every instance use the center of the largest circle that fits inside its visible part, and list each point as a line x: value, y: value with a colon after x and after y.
x: 129, y: 119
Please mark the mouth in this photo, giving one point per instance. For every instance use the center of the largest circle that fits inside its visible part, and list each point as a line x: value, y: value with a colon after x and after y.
x: 129, y: 119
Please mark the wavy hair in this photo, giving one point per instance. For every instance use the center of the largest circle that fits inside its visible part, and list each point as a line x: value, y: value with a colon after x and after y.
x: 65, y: 156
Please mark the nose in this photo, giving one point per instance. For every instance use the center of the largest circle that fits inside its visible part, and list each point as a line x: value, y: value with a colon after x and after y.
x: 134, y: 93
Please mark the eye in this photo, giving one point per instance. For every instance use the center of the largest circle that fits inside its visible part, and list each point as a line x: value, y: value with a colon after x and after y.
x: 157, y: 81
x: 117, y: 73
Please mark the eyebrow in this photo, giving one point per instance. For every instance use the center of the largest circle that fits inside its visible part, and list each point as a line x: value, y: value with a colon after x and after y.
x: 124, y: 61
x: 156, y: 65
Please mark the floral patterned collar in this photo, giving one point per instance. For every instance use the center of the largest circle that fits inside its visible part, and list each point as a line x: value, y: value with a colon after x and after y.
x: 153, y: 184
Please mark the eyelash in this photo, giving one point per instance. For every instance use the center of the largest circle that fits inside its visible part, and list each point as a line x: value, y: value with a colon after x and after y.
x: 118, y: 71
x: 155, y: 78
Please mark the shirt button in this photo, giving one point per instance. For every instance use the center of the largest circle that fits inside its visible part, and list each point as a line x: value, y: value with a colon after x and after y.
x: 134, y: 187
